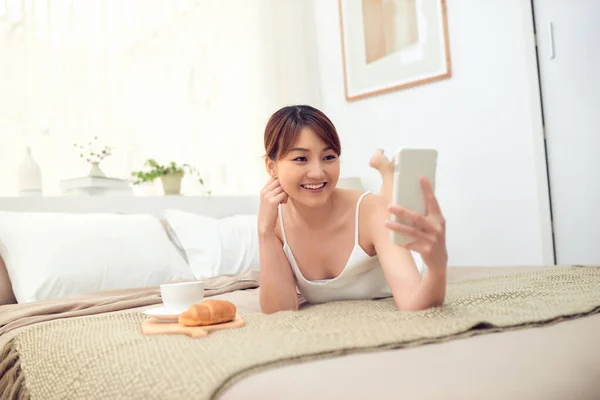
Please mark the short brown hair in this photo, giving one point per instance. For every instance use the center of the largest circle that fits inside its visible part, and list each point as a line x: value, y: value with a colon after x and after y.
x: 285, y: 125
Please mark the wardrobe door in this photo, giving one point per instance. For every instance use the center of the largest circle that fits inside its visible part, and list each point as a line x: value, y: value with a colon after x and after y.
x: 568, y: 40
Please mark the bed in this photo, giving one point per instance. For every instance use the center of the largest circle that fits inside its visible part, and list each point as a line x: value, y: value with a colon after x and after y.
x: 505, y: 332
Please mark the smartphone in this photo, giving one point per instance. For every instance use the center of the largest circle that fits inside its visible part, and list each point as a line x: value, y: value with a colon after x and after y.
x: 409, y: 166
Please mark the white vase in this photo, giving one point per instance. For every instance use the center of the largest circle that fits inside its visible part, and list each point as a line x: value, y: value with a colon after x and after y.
x: 96, y: 171
x: 29, y: 175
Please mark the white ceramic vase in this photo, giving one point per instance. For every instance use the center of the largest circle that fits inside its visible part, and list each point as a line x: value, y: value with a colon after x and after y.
x: 29, y: 176
x: 96, y: 171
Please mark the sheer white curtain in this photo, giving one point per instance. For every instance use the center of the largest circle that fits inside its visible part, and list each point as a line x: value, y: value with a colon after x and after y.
x: 187, y: 81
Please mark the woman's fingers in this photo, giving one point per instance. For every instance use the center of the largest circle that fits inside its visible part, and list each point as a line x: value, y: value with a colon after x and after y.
x: 273, y: 184
x: 410, y: 216
x: 423, y: 243
x: 420, y: 247
x: 265, y: 188
x: 433, y: 207
x: 270, y: 186
x: 276, y: 191
x: 274, y: 194
x: 409, y: 230
x: 280, y: 198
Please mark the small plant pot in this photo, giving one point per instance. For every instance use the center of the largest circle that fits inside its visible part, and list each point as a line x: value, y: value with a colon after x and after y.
x: 171, y: 184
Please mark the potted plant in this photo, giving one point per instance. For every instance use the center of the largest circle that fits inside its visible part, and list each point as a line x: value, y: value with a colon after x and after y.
x: 169, y: 174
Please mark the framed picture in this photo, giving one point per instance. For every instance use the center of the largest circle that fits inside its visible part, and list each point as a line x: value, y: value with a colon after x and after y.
x: 392, y: 44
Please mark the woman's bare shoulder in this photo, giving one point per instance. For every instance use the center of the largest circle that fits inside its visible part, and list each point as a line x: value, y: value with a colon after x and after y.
x: 372, y: 217
x: 374, y: 202
x: 350, y: 196
x: 373, y: 211
x: 343, y: 197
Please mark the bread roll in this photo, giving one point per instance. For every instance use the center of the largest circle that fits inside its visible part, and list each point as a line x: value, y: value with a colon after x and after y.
x: 208, y: 312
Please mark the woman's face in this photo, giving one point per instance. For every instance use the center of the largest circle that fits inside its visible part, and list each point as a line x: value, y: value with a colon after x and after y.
x: 309, y: 172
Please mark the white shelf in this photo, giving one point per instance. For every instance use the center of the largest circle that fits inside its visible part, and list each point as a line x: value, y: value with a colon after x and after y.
x: 218, y: 206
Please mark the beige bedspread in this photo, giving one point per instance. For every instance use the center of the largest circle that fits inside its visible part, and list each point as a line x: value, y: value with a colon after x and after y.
x: 15, y: 318
x: 111, y: 348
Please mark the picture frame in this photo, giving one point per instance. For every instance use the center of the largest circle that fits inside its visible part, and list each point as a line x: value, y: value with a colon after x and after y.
x: 389, y: 45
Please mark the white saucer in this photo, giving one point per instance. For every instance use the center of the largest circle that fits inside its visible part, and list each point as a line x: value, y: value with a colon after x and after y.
x: 163, y: 314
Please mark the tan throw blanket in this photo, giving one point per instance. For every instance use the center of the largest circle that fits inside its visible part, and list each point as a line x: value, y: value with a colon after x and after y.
x: 107, y: 356
x: 14, y: 316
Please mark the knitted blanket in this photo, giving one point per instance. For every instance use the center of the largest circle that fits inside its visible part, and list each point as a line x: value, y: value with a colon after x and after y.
x: 106, y: 356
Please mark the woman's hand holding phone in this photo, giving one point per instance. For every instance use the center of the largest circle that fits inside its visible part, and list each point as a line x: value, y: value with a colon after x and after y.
x: 271, y: 196
x: 429, y: 230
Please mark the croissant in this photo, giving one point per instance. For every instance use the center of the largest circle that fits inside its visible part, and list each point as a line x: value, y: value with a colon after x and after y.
x: 208, y: 312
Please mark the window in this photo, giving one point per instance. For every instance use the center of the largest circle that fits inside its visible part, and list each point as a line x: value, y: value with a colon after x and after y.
x: 185, y: 81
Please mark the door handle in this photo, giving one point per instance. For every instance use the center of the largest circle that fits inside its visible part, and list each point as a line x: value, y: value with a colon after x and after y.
x: 551, y: 39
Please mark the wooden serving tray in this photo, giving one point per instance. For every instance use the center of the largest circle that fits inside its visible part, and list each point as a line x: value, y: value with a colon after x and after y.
x: 152, y: 326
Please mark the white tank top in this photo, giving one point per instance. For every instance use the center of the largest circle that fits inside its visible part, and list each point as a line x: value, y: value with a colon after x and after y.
x: 361, y: 279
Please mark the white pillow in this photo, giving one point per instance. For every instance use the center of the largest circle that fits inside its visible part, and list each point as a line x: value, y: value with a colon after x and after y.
x: 53, y: 255
x: 215, y: 246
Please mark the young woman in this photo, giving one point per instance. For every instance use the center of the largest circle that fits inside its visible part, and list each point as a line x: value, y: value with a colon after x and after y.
x: 332, y: 244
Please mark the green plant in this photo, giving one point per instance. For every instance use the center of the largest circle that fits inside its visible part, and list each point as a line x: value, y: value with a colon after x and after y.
x: 156, y: 170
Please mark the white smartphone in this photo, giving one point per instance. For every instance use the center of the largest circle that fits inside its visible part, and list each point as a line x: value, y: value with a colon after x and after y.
x: 409, y: 166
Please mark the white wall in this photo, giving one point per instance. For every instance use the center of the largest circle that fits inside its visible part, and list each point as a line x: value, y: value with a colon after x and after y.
x: 485, y: 122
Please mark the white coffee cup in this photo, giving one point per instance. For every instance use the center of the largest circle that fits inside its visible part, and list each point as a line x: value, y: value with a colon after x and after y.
x: 178, y: 297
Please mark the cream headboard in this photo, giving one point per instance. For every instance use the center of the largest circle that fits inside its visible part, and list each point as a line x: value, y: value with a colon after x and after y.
x: 214, y: 206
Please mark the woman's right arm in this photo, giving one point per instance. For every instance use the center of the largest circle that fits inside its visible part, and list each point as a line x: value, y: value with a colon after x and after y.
x: 277, y: 283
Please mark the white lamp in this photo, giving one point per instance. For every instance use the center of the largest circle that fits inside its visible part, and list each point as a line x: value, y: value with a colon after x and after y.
x: 351, y: 182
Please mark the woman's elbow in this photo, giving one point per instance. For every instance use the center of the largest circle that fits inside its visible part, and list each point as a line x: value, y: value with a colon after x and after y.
x: 269, y: 307
x: 272, y: 310
x: 404, y: 306
x: 407, y: 305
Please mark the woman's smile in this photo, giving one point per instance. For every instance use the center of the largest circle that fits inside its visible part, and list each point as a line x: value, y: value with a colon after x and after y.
x: 314, y: 188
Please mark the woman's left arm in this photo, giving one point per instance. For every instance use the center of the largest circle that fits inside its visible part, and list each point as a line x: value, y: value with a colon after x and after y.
x: 410, y: 290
